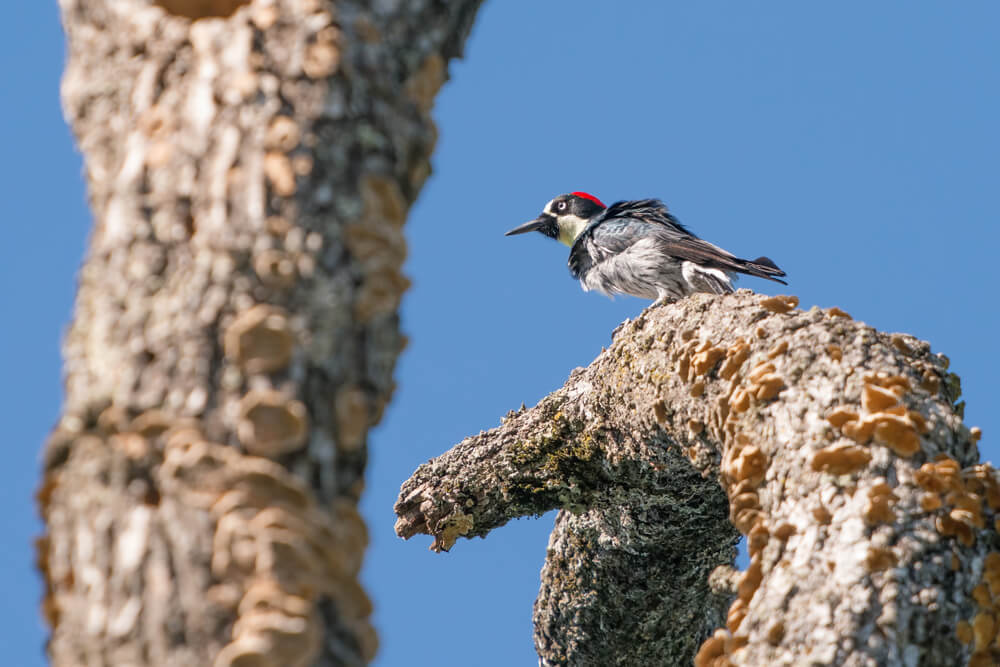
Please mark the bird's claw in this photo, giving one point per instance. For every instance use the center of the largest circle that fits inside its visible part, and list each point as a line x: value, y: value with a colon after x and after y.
x: 664, y: 301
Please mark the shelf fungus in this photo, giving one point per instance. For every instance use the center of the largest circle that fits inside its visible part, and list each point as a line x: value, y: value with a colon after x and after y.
x: 840, y: 459
x: 279, y: 173
x: 282, y: 134
x: 352, y: 413
x: 199, y: 9
x: 879, y: 508
x: 272, y: 424
x: 779, y: 304
x: 260, y: 339
x: 883, y: 417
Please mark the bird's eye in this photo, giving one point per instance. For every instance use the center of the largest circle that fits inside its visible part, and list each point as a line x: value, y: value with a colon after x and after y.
x: 561, y: 206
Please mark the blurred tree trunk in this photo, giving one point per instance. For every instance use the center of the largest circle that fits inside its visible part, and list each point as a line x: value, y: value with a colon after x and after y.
x: 250, y: 165
x: 839, y: 451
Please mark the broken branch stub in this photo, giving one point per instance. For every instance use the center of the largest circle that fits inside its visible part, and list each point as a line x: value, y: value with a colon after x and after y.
x: 844, y: 459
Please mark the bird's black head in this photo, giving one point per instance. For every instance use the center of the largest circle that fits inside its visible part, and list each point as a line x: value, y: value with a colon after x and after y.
x: 564, y: 217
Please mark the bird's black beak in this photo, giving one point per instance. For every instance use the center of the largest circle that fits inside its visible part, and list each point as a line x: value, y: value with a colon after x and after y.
x: 538, y: 224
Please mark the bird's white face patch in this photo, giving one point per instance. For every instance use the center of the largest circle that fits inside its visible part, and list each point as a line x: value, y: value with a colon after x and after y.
x: 570, y: 226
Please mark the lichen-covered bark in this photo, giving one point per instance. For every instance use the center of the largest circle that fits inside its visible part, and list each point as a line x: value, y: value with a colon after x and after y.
x: 841, y: 450
x: 250, y: 164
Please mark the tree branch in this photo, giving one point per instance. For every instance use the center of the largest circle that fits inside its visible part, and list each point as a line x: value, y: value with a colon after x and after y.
x: 842, y: 453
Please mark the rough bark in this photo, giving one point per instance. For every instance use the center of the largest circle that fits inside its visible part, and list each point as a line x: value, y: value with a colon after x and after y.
x: 844, y: 459
x: 250, y: 165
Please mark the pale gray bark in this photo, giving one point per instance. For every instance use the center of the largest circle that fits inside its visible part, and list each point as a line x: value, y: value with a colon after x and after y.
x: 871, y: 523
x: 250, y: 165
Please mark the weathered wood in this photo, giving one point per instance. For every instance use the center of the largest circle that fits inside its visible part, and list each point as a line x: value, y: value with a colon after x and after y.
x: 842, y: 452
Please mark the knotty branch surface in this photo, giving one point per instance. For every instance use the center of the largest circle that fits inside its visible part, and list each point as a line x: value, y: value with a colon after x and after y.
x: 844, y: 459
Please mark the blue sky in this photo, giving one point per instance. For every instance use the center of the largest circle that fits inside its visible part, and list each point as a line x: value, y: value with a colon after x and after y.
x: 854, y: 143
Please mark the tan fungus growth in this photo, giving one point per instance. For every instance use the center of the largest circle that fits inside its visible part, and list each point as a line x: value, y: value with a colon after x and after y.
x: 930, y: 502
x: 880, y: 558
x: 282, y: 135
x: 660, y: 412
x: 837, y: 312
x: 158, y: 154
x: 736, y: 356
x: 737, y: 612
x: 876, y: 399
x: 275, y: 268
x: 768, y: 387
x: 963, y: 631
x: 713, y: 650
x: 704, y: 361
x: 899, y: 342
x: 981, y: 594
x: 746, y: 463
x: 840, y: 416
x: 897, y: 433
x: 991, y: 573
x: 939, y: 476
x: 351, y: 409
x: 271, y: 424
x: 264, y: 16
x: 778, y: 350
x: 380, y: 294
x: 984, y: 626
x: 779, y: 304
x: 321, y: 59
x: 757, y: 539
x: 198, y: 9
x: 750, y: 581
x: 840, y: 459
x: 760, y: 371
x: 822, y: 515
x: 775, y: 633
x: 982, y: 659
x: 422, y: 87
x: 740, y: 401
x: 784, y: 531
x: 152, y: 423
x: 930, y: 382
x: 259, y: 340
x: 949, y: 527
x: 132, y: 444
x: 382, y: 199
x: 278, y: 170
x: 745, y: 520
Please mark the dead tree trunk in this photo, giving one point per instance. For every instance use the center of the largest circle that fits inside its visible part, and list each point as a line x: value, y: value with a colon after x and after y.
x: 841, y: 450
x: 250, y: 164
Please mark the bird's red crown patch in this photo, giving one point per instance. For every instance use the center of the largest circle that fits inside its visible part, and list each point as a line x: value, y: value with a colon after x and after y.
x: 589, y: 196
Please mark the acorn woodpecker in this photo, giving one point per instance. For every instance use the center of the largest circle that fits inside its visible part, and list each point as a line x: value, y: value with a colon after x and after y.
x: 639, y: 248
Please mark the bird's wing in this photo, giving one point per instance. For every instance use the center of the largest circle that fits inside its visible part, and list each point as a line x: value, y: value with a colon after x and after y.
x: 608, y: 236
x: 703, y: 253
x: 620, y: 226
x: 602, y: 239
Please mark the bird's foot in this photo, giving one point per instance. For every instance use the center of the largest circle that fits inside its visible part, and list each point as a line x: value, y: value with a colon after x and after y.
x: 664, y: 301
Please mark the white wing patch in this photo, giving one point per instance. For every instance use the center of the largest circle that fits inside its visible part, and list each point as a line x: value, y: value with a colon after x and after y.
x: 705, y: 279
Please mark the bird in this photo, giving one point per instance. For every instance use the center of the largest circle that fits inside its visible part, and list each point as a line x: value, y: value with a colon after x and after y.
x: 639, y: 248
